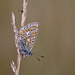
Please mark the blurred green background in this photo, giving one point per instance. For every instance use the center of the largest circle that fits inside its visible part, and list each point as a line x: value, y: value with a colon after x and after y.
x: 56, y: 39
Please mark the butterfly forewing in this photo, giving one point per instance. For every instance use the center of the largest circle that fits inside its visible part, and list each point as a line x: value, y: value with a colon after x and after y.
x: 28, y: 34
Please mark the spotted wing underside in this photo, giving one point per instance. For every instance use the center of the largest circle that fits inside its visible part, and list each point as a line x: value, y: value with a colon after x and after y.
x: 29, y: 33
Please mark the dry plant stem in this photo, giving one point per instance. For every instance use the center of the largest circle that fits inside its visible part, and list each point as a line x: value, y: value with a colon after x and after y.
x: 15, y: 30
x: 14, y: 67
x: 24, y: 13
x: 18, y: 63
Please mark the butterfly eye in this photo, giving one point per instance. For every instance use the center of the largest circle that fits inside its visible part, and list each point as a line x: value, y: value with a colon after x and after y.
x: 30, y: 54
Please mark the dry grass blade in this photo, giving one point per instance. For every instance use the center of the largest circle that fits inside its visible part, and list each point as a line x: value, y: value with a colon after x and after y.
x: 18, y: 62
x: 24, y: 13
x: 15, y: 30
x: 14, y: 67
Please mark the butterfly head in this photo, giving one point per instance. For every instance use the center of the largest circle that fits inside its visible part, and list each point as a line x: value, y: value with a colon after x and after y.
x: 26, y: 52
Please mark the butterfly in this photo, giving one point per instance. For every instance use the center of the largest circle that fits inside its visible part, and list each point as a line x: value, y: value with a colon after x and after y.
x: 27, y: 37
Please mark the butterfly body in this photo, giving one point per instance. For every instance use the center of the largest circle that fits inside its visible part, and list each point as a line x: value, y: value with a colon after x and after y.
x: 27, y: 37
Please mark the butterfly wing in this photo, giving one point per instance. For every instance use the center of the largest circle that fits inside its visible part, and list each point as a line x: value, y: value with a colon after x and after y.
x: 28, y: 34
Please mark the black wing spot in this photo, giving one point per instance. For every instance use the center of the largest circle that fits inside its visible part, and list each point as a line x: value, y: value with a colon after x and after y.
x: 32, y: 41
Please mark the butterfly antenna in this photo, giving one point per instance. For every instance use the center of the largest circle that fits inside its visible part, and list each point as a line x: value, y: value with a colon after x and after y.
x: 37, y: 57
x: 42, y: 56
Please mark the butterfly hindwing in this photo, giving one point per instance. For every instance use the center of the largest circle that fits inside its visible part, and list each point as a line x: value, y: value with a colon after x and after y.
x: 28, y: 34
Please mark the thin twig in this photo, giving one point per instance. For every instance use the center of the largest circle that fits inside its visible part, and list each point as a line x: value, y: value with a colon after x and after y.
x: 18, y: 63
x: 24, y: 14
x: 15, y: 30
x: 14, y: 67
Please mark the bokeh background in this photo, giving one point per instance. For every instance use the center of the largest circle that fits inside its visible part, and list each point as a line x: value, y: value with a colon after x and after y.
x: 56, y: 39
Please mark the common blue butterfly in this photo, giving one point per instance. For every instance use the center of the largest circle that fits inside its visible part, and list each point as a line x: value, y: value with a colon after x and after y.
x: 27, y: 37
